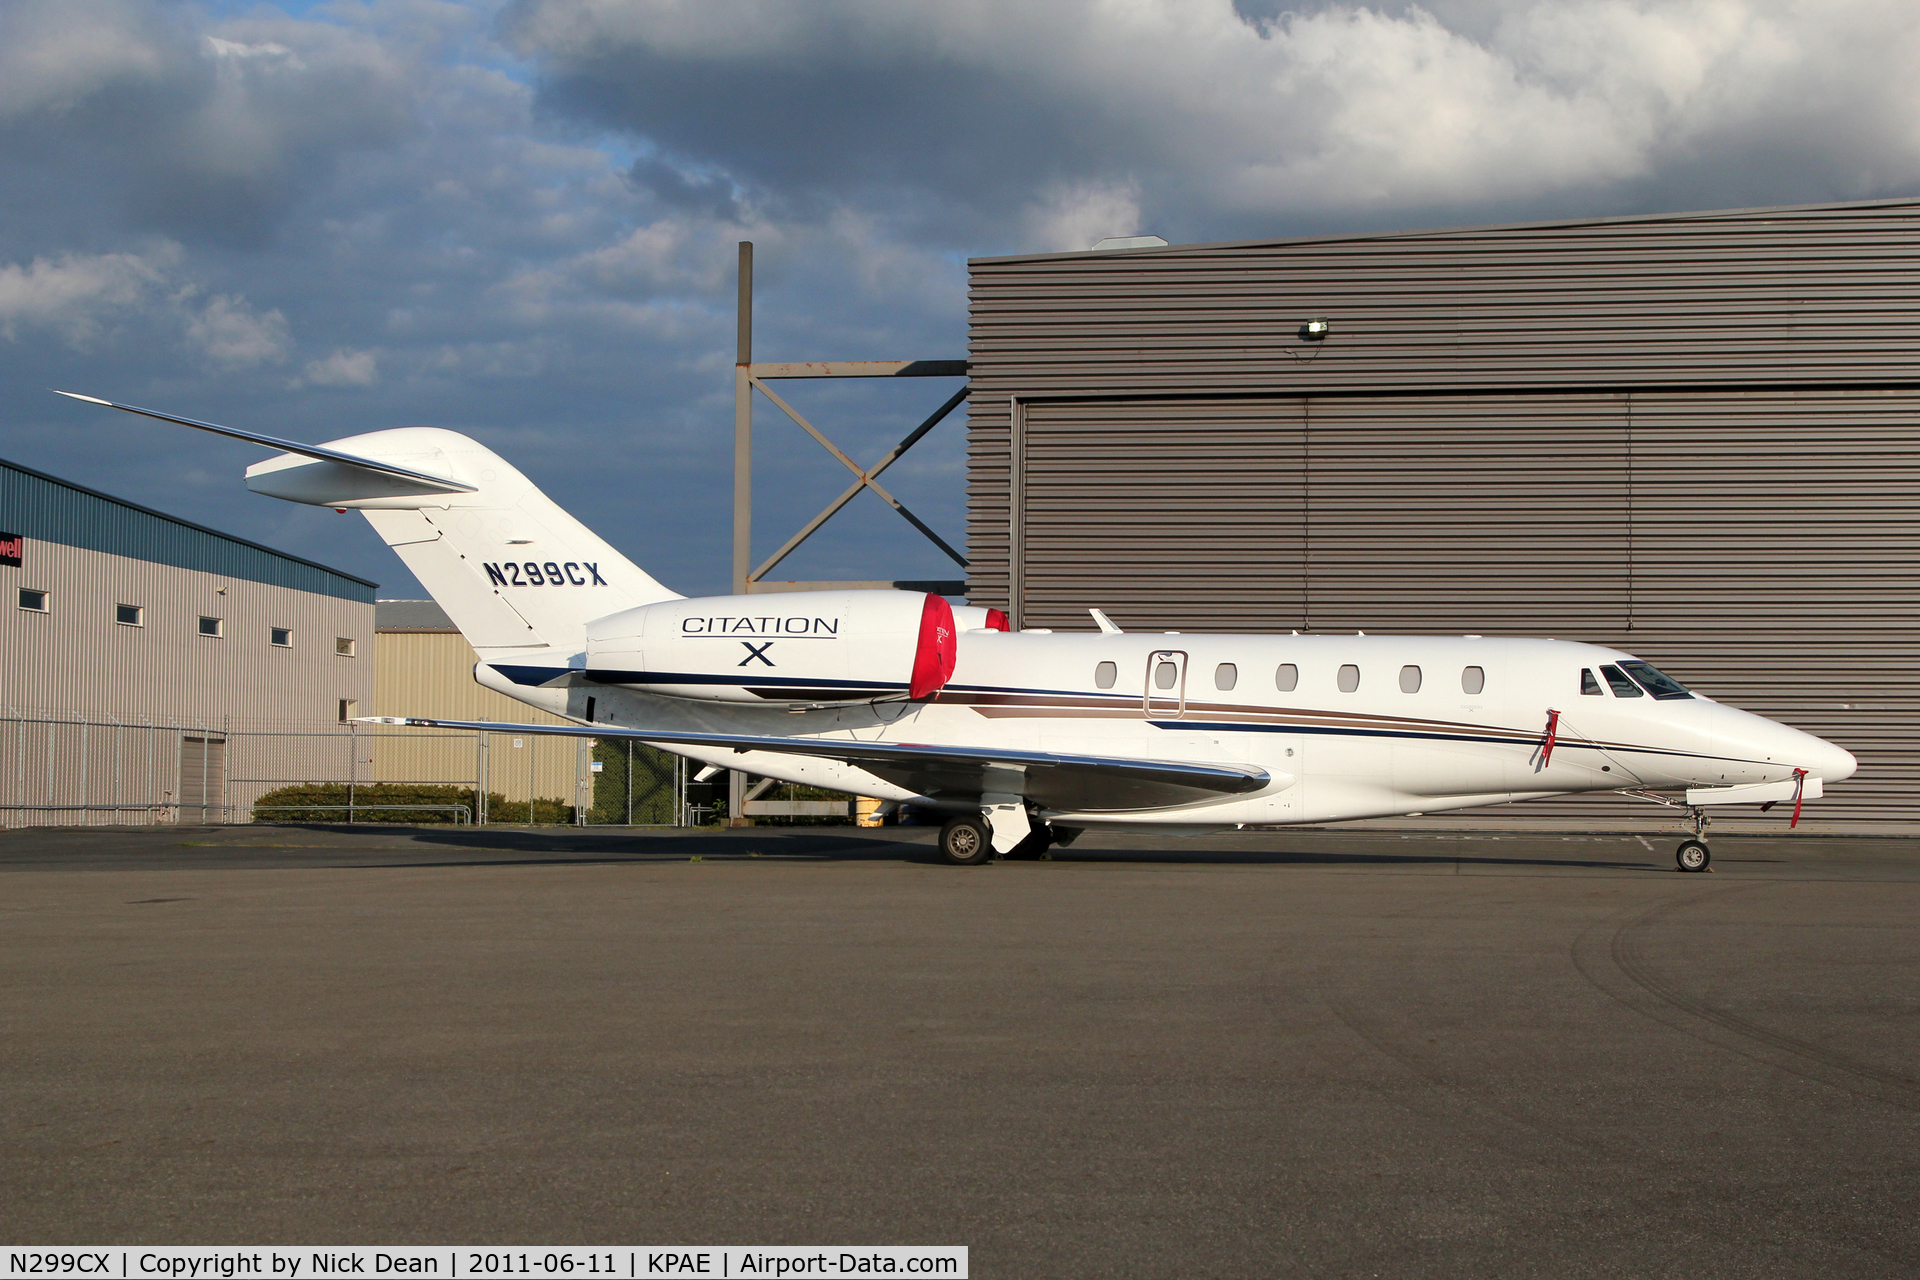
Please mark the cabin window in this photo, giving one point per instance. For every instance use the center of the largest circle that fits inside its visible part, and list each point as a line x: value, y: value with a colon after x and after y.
x: 129, y: 615
x: 280, y: 637
x: 1409, y: 679
x: 1618, y: 682
x: 1656, y: 682
x: 212, y: 627
x: 34, y: 600
x: 1225, y: 676
x: 1105, y: 674
x: 1473, y: 680
x: 1589, y: 684
x: 1164, y: 674
x: 1286, y: 678
x: 1349, y: 678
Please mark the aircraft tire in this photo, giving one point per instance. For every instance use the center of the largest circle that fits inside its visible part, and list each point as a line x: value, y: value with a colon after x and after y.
x: 965, y: 842
x: 1692, y: 855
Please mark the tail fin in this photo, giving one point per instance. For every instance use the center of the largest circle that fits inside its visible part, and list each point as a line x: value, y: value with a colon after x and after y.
x: 513, y: 570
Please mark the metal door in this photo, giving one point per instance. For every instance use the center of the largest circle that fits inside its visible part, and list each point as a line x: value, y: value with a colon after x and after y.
x: 1165, y: 693
x: 203, y: 779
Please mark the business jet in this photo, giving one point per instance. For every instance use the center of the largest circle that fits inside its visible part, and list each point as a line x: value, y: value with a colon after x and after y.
x: 1025, y: 739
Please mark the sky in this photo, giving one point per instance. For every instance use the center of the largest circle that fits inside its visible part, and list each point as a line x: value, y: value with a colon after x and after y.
x: 519, y: 220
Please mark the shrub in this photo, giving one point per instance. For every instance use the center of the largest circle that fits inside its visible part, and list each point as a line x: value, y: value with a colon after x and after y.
x: 285, y: 804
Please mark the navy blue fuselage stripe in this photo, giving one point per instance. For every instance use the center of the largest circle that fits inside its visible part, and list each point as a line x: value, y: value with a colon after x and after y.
x: 753, y: 681
x: 1492, y: 735
x: 529, y: 675
x: 1529, y: 740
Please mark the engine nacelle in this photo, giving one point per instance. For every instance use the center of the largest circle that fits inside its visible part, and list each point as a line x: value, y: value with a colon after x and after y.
x: 801, y: 646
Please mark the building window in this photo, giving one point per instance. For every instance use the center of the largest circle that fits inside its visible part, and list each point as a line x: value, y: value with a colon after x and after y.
x: 1286, y: 677
x: 280, y: 637
x: 1472, y: 680
x: 34, y: 600
x: 1225, y: 676
x: 211, y: 627
x: 1349, y: 677
x: 349, y: 708
x: 1105, y: 674
x: 1409, y: 679
x: 130, y: 615
x: 343, y: 646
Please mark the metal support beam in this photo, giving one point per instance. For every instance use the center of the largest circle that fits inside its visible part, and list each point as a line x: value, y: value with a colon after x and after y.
x: 749, y: 377
x: 862, y: 369
x: 742, y: 479
x: 743, y: 425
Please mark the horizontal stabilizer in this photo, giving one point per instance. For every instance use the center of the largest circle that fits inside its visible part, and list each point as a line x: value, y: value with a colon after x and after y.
x: 1758, y: 792
x: 437, y: 484
x: 1050, y: 779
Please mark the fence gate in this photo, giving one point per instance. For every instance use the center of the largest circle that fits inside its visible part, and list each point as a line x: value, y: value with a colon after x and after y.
x: 203, y: 779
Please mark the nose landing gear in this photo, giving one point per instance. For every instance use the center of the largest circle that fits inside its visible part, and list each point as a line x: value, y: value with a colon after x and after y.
x: 1693, y: 855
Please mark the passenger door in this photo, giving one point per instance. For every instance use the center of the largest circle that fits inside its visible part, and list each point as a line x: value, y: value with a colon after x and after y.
x: 1165, y: 697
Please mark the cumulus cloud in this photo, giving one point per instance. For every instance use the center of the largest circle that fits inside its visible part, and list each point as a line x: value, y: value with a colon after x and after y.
x: 343, y: 368
x: 1214, y: 113
x: 196, y: 135
x: 74, y: 294
x: 520, y: 220
x: 1079, y: 216
x: 233, y: 333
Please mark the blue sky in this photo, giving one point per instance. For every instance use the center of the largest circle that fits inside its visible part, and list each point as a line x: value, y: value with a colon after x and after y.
x: 518, y: 220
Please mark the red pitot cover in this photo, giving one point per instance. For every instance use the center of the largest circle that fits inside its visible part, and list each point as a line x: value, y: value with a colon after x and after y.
x: 934, y: 658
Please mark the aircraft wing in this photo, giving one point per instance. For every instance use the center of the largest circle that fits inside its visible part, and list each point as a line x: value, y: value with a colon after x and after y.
x: 440, y: 484
x: 1050, y: 779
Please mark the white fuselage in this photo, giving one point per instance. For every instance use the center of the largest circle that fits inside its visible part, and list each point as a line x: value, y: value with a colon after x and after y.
x: 1382, y: 741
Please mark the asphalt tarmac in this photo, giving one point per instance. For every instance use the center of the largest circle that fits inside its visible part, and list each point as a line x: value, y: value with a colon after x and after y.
x: 1294, y: 1054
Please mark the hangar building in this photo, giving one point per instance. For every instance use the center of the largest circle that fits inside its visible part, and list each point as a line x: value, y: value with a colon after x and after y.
x: 424, y: 667
x: 142, y: 650
x: 1693, y: 436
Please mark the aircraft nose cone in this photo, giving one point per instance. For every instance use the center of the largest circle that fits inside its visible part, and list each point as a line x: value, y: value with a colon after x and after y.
x: 1830, y: 762
x: 1775, y: 746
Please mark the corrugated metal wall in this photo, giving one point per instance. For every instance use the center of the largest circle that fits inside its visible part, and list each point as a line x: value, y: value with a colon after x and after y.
x: 430, y: 674
x: 1582, y: 432
x: 95, y: 715
x: 75, y: 658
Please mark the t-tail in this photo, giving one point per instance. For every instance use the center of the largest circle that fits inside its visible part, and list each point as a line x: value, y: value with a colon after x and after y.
x: 514, y: 571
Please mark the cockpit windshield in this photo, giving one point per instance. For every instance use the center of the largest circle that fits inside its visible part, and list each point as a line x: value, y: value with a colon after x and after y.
x: 1656, y: 682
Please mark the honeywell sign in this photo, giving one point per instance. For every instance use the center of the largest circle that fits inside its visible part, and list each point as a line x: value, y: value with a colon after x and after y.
x: 13, y: 547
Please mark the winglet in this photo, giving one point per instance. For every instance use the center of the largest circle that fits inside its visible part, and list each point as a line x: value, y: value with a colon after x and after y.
x: 1105, y: 623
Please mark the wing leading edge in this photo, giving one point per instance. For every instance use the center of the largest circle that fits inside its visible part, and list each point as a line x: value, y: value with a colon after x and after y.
x: 436, y: 484
x: 1052, y: 780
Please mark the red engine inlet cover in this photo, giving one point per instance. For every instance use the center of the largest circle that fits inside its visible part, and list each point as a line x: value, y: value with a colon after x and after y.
x: 937, y: 651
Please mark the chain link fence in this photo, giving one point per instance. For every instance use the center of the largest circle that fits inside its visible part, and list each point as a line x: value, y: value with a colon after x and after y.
x: 61, y: 768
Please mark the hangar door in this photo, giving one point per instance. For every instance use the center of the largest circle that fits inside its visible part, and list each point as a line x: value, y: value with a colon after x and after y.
x: 1760, y: 545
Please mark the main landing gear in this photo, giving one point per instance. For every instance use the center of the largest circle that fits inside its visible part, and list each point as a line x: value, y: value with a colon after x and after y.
x: 965, y: 842
x: 968, y: 842
x: 1693, y: 855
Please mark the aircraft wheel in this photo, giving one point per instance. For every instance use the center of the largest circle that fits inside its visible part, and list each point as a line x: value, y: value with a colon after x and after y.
x: 1692, y: 856
x: 965, y: 842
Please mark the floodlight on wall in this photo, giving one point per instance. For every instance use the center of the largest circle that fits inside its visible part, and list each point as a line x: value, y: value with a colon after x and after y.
x: 1316, y: 330
x: 1128, y: 242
